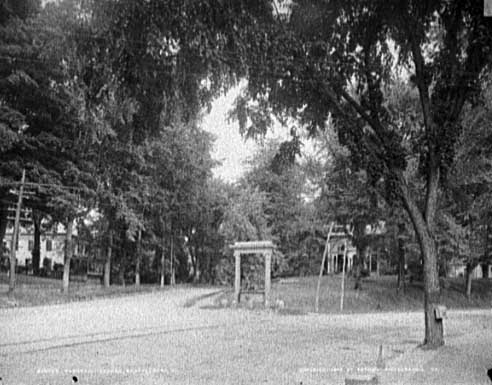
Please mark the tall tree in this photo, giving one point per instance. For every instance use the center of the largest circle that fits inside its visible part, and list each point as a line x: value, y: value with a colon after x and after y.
x: 466, y: 209
x: 275, y: 170
x: 337, y: 57
x: 45, y: 133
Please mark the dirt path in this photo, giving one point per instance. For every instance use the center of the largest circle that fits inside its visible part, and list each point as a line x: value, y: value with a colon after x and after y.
x: 156, y: 339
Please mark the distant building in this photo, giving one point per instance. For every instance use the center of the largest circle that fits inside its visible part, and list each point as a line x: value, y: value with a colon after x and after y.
x: 52, y: 245
x: 334, y: 259
x: 457, y: 268
x: 340, y: 239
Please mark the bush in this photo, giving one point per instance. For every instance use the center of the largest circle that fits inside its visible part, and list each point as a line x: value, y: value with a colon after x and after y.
x: 224, y: 271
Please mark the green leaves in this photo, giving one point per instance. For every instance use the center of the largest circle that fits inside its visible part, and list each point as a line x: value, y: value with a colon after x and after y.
x: 244, y: 218
x: 22, y: 9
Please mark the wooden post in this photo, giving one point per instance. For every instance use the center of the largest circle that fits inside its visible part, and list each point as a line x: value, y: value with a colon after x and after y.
x: 327, y: 250
x: 343, y: 275
x: 268, y: 282
x: 15, y: 234
x: 237, y: 277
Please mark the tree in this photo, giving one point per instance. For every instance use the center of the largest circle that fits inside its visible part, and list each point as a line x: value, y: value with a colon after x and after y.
x: 41, y: 108
x: 244, y: 219
x: 467, y: 210
x: 350, y: 200
x: 338, y: 57
x: 165, y: 62
x: 21, y: 9
x: 276, y: 171
x: 100, y: 102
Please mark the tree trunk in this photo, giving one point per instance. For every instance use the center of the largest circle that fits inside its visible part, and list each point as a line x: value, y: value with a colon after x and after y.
x: 401, y: 258
x: 122, y: 266
x: 163, y: 266
x: 434, y: 333
x: 359, y: 262
x: 369, y: 270
x: 121, y: 275
x: 139, y: 257
x: 3, y: 223
x: 194, y: 260
x: 107, y: 263
x: 173, y: 275
x: 469, y: 278
x: 377, y: 262
x: 361, y: 248
x: 68, y: 255
x: 202, y: 265
x: 36, y: 250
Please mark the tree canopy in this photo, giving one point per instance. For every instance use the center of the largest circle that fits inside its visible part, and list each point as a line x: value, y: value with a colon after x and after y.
x: 341, y: 58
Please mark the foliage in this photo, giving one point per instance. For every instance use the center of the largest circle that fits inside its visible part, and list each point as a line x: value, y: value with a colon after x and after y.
x: 40, y: 125
x: 466, y: 211
x: 337, y: 57
x: 245, y: 218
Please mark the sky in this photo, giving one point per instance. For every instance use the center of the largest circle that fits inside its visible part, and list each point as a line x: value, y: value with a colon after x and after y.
x: 230, y: 149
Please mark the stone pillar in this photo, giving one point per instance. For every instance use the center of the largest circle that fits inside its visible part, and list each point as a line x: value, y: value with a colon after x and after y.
x: 237, y: 277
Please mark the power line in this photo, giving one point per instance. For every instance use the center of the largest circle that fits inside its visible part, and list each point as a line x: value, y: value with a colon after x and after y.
x: 35, y: 184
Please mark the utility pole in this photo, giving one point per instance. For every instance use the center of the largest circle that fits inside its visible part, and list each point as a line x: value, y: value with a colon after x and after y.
x: 15, y: 234
x: 323, y: 260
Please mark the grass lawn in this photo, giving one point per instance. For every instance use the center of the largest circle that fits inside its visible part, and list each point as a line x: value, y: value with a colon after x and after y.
x: 377, y: 294
x: 32, y: 291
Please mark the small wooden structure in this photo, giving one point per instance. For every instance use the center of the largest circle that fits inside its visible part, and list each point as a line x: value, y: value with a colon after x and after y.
x: 257, y: 247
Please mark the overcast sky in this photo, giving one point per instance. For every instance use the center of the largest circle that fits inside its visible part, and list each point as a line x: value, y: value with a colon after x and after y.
x: 230, y: 148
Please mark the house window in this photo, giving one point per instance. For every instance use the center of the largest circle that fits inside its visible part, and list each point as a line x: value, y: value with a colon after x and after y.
x: 30, y: 245
x: 49, y: 245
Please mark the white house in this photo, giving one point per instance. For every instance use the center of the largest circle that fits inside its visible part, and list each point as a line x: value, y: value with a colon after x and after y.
x: 457, y: 268
x: 52, y: 245
x: 339, y: 240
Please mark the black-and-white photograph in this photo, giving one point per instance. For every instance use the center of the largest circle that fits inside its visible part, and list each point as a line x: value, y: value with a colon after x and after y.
x: 293, y: 192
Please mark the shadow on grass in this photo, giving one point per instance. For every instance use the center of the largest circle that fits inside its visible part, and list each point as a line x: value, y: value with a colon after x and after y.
x: 28, y: 296
x: 193, y: 301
